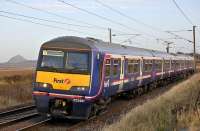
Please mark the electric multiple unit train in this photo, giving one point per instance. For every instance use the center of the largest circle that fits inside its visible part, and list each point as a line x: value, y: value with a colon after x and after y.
x: 76, y: 77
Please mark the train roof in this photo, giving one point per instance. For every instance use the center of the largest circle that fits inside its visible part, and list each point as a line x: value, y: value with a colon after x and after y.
x: 99, y: 45
x: 69, y: 42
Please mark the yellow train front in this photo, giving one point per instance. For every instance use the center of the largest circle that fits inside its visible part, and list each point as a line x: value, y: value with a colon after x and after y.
x: 63, y: 80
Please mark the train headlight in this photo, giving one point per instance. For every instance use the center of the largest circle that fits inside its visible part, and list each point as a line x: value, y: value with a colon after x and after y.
x: 81, y: 88
x: 42, y: 85
x: 45, y: 85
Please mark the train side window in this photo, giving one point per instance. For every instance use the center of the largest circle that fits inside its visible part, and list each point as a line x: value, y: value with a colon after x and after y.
x: 167, y: 64
x: 130, y: 67
x: 177, y: 64
x: 158, y: 65
x: 148, y: 65
x: 173, y: 64
x: 182, y: 64
x: 133, y: 66
x: 190, y: 63
x: 145, y: 66
x: 115, y: 67
x: 107, y: 71
x: 186, y: 63
x: 137, y: 66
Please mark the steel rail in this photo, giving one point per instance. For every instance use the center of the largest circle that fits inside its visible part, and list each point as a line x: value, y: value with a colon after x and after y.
x: 34, y: 124
x: 17, y: 119
x: 16, y: 110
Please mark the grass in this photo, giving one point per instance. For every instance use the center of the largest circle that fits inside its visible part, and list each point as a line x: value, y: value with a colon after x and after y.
x: 174, y: 109
x: 15, y: 87
x: 189, y: 120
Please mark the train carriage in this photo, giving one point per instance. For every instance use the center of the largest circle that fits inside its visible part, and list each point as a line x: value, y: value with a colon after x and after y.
x: 76, y: 77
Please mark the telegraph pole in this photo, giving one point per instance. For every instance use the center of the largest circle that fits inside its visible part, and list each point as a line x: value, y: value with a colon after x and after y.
x: 194, y: 44
x: 110, y: 35
x: 168, y: 45
x: 167, y: 48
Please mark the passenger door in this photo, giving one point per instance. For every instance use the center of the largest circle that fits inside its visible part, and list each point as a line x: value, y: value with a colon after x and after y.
x: 107, y: 73
x: 122, y: 72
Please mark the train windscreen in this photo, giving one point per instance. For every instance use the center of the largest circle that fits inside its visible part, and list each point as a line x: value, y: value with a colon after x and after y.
x: 68, y: 61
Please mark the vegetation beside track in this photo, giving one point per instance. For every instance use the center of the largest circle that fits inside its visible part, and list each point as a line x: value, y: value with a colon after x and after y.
x: 15, y: 87
x: 176, y: 109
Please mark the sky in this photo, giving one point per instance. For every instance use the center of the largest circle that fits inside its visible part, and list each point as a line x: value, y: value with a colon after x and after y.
x: 25, y: 38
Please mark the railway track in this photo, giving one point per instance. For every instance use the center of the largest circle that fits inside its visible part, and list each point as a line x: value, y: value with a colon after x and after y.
x: 16, y: 110
x: 14, y: 115
x: 34, y: 122
x: 21, y: 118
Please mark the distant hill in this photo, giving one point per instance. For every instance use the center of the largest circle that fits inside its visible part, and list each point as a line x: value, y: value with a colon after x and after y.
x: 17, y: 59
x: 18, y: 62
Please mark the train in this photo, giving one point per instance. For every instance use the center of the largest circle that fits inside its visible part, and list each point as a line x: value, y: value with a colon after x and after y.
x: 76, y: 78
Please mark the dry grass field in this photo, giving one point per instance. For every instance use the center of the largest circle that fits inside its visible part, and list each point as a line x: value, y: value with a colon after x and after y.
x: 15, y: 87
x: 174, y: 110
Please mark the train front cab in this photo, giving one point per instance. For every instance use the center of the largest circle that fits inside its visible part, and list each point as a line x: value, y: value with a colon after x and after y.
x: 63, y: 79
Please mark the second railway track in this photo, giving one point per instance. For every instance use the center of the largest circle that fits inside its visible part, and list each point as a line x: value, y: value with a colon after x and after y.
x: 17, y: 114
x: 21, y: 118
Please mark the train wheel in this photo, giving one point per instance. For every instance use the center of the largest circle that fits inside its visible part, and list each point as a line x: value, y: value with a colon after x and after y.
x: 94, y: 110
x: 151, y: 87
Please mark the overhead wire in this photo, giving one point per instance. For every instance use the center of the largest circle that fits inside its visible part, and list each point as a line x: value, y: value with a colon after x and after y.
x: 127, y: 16
x: 103, y: 17
x: 182, y: 12
x: 183, y: 30
x: 64, y: 17
x: 46, y: 20
x: 94, y: 14
x: 129, y: 38
x: 130, y: 17
x: 180, y: 37
x: 107, y: 19
x: 38, y: 23
x: 53, y: 14
x: 59, y: 16
x: 186, y: 18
